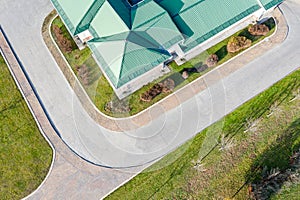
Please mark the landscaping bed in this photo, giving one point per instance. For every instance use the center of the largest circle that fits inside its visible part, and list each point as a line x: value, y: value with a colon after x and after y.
x: 101, y: 93
x: 220, y: 50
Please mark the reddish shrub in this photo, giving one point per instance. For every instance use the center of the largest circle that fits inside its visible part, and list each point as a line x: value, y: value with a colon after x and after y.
x: 212, y: 60
x: 64, y: 44
x: 258, y: 29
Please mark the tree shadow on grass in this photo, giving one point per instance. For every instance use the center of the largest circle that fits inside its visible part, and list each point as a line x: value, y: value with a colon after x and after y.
x: 257, y: 107
x: 222, y: 52
x: 277, y: 156
x: 194, y: 68
x: 246, y: 33
x: 176, y: 77
x: 270, y: 23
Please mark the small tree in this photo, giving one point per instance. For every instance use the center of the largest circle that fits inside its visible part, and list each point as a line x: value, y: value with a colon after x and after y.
x: 258, y: 29
x: 212, y: 60
x: 63, y: 42
x: 226, y: 143
x: 237, y: 43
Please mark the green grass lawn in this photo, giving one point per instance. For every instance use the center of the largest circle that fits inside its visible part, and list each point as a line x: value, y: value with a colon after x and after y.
x: 100, y: 92
x: 24, y: 154
x: 264, y: 132
x: 288, y: 193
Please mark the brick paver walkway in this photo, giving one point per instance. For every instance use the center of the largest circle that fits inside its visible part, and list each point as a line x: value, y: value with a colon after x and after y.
x: 71, y: 175
x: 80, y: 179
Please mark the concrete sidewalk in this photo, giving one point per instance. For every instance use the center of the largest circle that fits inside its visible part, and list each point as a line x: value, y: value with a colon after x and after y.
x: 67, y: 168
x: 72, y: 177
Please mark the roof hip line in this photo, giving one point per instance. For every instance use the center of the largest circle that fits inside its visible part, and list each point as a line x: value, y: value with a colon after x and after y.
x: 88, y: 17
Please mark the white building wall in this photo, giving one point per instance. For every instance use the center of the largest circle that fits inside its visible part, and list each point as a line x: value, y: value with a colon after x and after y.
x: 251, y: 19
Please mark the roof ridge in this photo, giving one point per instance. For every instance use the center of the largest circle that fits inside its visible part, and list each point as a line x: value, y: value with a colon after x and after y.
x: 122, y: 8
x: 110, y: 38
x: 121, y: 68
x: 149, y: 20
x: 136, y: 33
x: 89, y: 16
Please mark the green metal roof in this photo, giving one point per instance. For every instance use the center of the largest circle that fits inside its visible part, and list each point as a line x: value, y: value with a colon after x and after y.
x: 270, y: 3
x: 71, y: 12
x: 131, y: 40
x: 112, y: 24
x: 89, y: 16
x: 200, y: 20
x: 148, y: 16
x: 128, y: 40
x: 124, y: 60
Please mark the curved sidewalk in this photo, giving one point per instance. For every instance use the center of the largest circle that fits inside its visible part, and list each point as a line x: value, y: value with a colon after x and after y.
x: 174, y: 99
x: 72, y: 177
x: 224, y: 91
x: 66, y: 168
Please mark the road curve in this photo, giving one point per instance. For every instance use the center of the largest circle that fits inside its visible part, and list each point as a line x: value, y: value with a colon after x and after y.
x: 22, y: 23
x: 73, y: 177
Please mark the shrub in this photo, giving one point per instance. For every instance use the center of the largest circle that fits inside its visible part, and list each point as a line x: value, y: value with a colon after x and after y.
x: 165, y: 86
x: 212, y: 60
x: 168, y: 85
x: 237, y: 43
x: 63, y: 42
x: 152, y: 92
x: 258, y: 30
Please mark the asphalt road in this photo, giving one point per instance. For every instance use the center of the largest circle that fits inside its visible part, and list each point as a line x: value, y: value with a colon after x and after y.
x: 22, y: 21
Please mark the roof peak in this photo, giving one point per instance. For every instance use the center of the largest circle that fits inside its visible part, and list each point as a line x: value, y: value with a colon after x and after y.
x: 133, y: 2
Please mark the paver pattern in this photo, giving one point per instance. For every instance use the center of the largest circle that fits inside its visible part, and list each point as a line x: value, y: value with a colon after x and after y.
x: 71, y: 177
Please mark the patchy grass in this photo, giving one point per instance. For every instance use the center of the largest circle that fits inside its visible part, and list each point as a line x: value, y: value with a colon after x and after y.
x: 289, y: 192
x: 97, y: 87
x: 25, y: 155
x: 100, y: 91
x: 256, y: 128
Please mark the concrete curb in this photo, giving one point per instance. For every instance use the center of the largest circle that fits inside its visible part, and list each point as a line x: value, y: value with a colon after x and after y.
x: 32, y: 113
x: 61, y: 152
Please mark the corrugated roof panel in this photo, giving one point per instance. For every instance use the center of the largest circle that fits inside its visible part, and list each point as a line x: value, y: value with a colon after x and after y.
x: 85, y: 22
x: 117, y: 37
x: 123, y: 61
x: 145, y: 12
x: 163, y: 30
x: 270, y: 3
x: 207, y: 18
x: 138, y: 60
x: 173, y: 7
x: 112, y: 24
x: 71, y: 12
x: 123, y: 9
x: 112, y: 53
